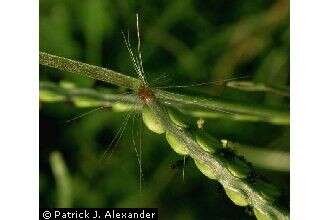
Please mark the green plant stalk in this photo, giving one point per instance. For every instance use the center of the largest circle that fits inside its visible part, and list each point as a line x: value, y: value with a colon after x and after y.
x: 250, y: 86
x: 263, y: 158
x: 235, y: 111
x: 71, y: 94
x: 90, y: 71
x: 62, y: 178
x: 217, y: 166
x: 106, y: 98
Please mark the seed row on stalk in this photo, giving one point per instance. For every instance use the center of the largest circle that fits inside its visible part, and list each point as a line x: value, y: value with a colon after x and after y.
x: 238, y: 168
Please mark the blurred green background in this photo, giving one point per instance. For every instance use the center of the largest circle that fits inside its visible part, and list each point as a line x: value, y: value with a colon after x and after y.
x: 188, y: 41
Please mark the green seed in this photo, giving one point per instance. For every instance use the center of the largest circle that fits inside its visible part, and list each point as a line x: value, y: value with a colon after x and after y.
x: 206, y: 141
x: 237, y: 197
x: 67, y: 85
x: 151, y: 121
x: 49, y: 96
x: 267, y: 190
x: 176, y: 145
x: 247, y: 86
x: 261, y: 215
x: 178, y: 118
x: 205, y: 170
x: 238, y: 168
x: 84, y: 102
x: 224, y: 143
x: 120, y: 107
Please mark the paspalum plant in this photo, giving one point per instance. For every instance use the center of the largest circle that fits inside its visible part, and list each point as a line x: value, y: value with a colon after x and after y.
x: 166, y: 113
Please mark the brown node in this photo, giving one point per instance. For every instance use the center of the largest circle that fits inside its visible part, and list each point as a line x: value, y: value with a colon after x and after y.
x: 145, y: 94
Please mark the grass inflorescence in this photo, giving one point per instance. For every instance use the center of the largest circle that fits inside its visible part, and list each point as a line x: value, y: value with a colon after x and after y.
x: 160, y: 115
x: 232, y: 174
